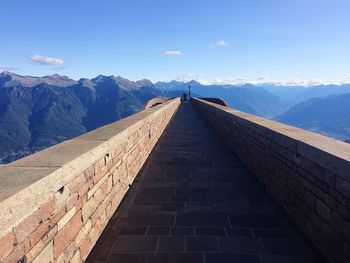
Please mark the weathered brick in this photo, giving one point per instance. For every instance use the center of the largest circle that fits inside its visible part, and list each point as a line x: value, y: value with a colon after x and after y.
x: 47, y: 208
x: 18, y: 252
x: 46, y: 255
x: 61, y: 197
x: 343, y: 186
x: 322, y: 209
x: 6, y: 244
x: 27, y: 226
x: 80, y: 202
x: 76, y: 257
x: 50, y: 234
x: 85, y: 247
x: 72, y: 200
x: 65, y: 219
x: 85, y: 188
x: 67, y: 234
x: 109, y: 183
x: 36, y: 250
x: 77, y: 183
x: 90, y: 207
x: 39, y: 232
x: 85, y: 230
x: 96, y: 186
x: 89, y: 173
x: 57, y: 215
x: 94, y: 235
x: 69, y: 252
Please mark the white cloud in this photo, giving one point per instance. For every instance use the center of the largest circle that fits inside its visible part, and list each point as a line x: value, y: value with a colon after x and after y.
x: 260, y: 81
x: 190, y: 76
x: 241, y: 81
x: 172, y: 53
x: 290, y: 82
x: 221, y: 43
x: 46, y: 60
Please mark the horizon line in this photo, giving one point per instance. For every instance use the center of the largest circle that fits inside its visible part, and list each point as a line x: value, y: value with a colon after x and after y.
x: 227, y: 81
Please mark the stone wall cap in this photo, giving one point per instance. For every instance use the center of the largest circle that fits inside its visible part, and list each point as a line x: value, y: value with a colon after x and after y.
x: 15, y: 179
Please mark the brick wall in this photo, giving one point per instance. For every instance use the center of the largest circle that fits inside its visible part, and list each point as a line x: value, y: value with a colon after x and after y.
x: 307, y: 173
x: 54, y: 204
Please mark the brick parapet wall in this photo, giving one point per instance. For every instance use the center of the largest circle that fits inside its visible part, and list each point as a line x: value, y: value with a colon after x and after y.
x: 307, y: 173
x: 54, y: 204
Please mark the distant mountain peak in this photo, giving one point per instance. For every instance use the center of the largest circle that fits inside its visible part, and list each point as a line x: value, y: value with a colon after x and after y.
x: 10, y: 79
x: 145, y: 82
x: 5, y: 73
x: 41, y: 113
x: 194, y: 83
x: 87, y: 83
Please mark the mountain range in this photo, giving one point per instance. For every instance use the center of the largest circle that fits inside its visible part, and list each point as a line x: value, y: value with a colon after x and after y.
x: 37, y: 112
x: 296, y: 94
x: 247, y: 97
x: 326, y: 115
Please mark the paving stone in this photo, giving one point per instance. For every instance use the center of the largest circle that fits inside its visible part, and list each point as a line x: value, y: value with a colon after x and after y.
x: 285, y: 247
x: 230, y: 258
x: 194, y: 201
x: 202, y: 243
x: 171, y: 244
x: 134, y: 244
x: 271, y: 233
x: 152, y: 219
x: 131, y: 231
x: 175, y: 258
x: 158, y: 230
x: 173, y: 207
x: 180, y: 198
x: 127, y: 258
x: 239, y: 232
x: 200, y: 207
x: 198, y: 199
x: 182, y: 231
x: 240, y: 245
x: 284, y: 259
x: 266, y: 221
x: 210, y: 231
x: 201, y: 219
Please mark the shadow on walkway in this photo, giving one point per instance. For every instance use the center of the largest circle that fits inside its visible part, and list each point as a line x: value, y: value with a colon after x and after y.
x: 194, y: 201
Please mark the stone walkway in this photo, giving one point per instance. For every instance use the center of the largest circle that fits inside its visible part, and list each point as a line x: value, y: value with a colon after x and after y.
x: 194, y: 201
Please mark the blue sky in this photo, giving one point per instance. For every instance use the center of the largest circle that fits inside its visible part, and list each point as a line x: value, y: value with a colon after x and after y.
x: 207, y: 40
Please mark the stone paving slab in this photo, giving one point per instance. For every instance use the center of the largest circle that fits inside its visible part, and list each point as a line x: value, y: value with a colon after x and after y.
x: 194, y: 201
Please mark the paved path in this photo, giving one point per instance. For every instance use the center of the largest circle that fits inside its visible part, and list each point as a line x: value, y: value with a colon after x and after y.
x: 194, y: 201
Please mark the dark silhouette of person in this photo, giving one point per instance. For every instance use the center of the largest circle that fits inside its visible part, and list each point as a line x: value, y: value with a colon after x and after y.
x: 184, y: 96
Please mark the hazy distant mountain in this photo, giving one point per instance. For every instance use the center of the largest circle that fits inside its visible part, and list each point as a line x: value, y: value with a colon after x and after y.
x: 296, y: 94
x: 248, y: 98
x: 38, y: 112
x: 327, y: 115
x: 9, y: 79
